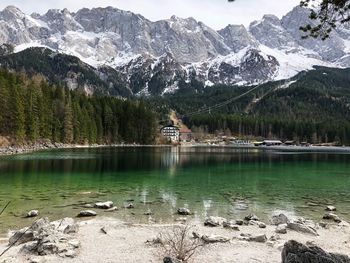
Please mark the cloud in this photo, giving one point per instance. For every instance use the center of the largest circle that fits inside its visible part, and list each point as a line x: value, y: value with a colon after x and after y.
x: 215, y: 13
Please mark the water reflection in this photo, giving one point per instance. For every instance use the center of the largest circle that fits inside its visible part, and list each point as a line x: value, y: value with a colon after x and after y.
x: 210, y: 181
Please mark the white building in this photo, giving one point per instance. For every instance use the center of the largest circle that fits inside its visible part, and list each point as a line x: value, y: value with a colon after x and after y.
x: 171, y: 132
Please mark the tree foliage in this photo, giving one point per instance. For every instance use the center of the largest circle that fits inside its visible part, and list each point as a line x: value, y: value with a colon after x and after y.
x: 327, y: 15
x: 32, y: 110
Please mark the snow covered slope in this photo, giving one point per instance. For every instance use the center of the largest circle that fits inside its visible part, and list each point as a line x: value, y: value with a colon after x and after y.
x: 156, y: 56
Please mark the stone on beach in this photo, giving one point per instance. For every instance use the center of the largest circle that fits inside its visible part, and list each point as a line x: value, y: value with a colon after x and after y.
x: 239, y: 222
x: 256, y: 238
x: 251, y: 217
x: 104, y: 205
x: 215, y: 239
x: 281, y: 229
x: 261, y: 225
x: 210, y: 238
x: 214, y: 221
x: 33, y: 213
x: 331, y: 216
x: 87, y: 213
x: 302, y: 228
x: 183, y: 211
x: 230, y: 225
x: 279, y: 219
x: 294, y: 252
x: 45, y: 238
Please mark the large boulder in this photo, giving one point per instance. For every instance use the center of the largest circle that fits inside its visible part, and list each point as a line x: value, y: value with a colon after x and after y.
x: 294, y: 252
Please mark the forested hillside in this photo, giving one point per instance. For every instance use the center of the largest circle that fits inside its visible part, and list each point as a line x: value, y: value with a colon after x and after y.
x: 32, y: 110
x: 314, y: 106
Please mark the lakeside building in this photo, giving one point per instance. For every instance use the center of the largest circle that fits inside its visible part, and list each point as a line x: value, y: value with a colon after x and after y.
x: 185, y: 135
x: 171, y: 132
x: 272, y: 142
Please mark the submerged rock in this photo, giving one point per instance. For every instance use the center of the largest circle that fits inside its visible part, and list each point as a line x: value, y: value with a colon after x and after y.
x: 294, y: 252
x: 104, y: 205
x: 33, y: 213
x: 129, y: 205
x: 331, y: 208
x: 183, y: 211
x: 87, y: 213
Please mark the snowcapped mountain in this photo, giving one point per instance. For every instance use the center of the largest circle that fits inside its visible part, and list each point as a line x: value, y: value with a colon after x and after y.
x: 154, y: 57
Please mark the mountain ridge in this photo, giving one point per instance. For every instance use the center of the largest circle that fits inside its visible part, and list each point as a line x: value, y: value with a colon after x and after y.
x: 156, y: 56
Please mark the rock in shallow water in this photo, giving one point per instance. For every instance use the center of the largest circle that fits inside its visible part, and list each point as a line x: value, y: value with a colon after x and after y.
x: 87, y: 213
x: 33, y: 213
x: 331, y: 208
x: 251, y: 217
x: 331, y: 216
x: 183, y: 211
x: 294, y: 252
x: 104, y: 205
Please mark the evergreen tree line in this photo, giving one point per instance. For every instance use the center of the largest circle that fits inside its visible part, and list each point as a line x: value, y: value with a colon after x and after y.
x: 274, y: 127
x: 32, y: 110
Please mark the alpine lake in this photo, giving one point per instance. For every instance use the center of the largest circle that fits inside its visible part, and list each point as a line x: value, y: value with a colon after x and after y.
x: 217, y: 181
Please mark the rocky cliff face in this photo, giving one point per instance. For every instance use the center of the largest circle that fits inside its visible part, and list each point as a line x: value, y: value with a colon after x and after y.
x: 153, y: 57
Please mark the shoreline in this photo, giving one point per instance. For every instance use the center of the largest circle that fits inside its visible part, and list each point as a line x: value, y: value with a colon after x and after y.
x: 129, y: 242
x: 17, y: 150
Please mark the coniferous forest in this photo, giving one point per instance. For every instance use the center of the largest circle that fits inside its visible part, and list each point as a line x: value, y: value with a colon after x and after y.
x: 32, y: 110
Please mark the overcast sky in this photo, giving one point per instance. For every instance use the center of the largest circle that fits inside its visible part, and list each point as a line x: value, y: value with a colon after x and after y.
x: 214, y: 13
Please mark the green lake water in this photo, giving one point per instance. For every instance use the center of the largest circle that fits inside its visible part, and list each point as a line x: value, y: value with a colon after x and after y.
x: 210, y: 181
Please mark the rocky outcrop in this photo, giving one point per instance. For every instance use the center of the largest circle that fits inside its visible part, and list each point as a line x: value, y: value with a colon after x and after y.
x: 294, y: 252
x: 45, y: 238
